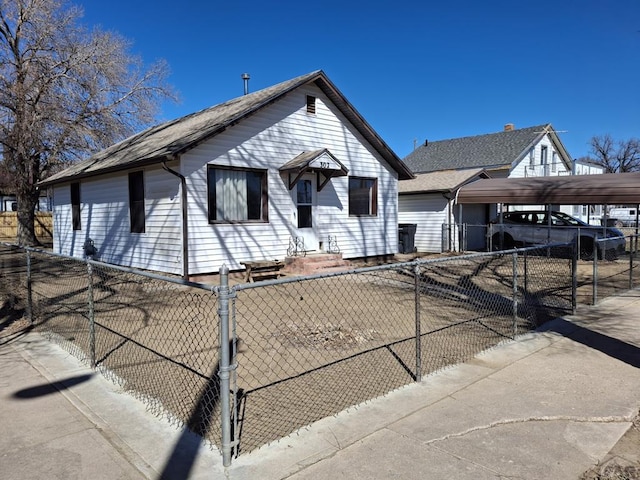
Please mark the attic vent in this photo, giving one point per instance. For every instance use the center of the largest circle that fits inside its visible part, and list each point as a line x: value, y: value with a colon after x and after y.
x: 311, y: 105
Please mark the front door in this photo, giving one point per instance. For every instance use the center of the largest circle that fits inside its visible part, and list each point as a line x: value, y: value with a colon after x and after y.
x: 304, y: 221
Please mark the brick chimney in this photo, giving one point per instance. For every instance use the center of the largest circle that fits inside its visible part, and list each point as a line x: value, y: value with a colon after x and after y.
x: 508, y: 127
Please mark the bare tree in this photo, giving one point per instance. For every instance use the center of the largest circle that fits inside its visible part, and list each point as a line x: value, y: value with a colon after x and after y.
x: 615, y: 156
x: 65, y: 91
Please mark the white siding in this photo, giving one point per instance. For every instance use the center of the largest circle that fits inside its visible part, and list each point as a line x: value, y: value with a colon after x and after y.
x: 266, y: 140
x: 269, y: 139
x: 105, y: 219
x: 429, y: 212
x: 587, y: 169
x: 523, y: 167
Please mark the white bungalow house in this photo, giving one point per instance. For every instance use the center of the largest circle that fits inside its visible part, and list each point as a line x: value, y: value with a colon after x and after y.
x: 245, y: 180
x: 512, y: 153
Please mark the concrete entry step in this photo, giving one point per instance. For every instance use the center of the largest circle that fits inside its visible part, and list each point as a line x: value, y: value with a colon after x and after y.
x: 315, y: 263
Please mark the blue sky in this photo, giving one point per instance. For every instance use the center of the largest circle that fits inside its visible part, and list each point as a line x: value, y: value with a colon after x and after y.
x: 414, y: 70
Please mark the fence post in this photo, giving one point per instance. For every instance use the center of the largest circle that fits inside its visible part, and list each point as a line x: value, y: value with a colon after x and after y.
x: 595, y: 272
x: 29, y: 289
x: 514, y: 257
x: 631, y: 237
x: 224, y: 366
x: 92, y: 319
x: 416, y: 280
x: 574, y: 276
x: 525, y: 280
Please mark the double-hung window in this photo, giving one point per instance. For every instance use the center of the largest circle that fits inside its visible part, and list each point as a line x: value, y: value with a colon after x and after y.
x: 532, y: 158
x: 237, y: 195
x: 363, y: 196
x: 136, y: 202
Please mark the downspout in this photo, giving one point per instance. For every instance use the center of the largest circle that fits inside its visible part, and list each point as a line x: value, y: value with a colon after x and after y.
x: 185, y: 224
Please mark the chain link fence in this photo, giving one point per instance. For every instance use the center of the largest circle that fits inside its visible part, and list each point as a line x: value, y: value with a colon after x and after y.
x: 613, y: 274
x: 247, y: 364
x: 311, y: 347
x: 156, y: 337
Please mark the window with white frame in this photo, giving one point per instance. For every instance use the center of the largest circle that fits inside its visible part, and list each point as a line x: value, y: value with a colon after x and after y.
x: 554, y: 162
x: 363, y: 196
x: 543, y: 155
x: 532, y: 158
x: 237, y: 195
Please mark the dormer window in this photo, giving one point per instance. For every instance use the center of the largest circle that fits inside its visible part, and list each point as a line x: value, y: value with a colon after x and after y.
x: 311, y: 105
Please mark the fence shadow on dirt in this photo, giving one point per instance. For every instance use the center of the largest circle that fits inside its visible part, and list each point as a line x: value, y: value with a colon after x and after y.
x: 300, y: 348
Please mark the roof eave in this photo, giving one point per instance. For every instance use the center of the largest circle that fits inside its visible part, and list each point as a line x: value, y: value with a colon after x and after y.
x: 116, y: 168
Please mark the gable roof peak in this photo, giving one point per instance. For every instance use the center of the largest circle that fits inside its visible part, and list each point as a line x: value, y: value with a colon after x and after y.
x: 490, y: 150
x: 170, y: 139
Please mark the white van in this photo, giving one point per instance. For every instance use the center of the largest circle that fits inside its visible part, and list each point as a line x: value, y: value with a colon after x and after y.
x: 622, y: 216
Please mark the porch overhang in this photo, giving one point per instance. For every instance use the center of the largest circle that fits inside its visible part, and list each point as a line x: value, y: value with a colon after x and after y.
x: 321, y: 162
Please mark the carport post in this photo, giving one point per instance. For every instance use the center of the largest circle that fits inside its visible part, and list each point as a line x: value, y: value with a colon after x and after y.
x: 223, y: 365
x: 525, y: 258
x: 514, y: 257
x: 595, y: 271
x: 574, y: 275
x: 416, y: 280
x: 631, y: 254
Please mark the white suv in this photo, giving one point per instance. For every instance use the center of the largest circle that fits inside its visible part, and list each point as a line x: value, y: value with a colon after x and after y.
x: 532, y: 227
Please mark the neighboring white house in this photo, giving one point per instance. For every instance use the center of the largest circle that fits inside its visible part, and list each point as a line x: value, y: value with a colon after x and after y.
x: 589, y: 213
x: 512, y: 153
x: 240, y: 181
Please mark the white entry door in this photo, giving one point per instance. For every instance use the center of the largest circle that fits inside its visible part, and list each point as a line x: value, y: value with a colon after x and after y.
x: 304, y: 222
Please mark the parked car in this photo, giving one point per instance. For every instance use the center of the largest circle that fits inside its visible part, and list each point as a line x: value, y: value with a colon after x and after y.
x: 532, y: 227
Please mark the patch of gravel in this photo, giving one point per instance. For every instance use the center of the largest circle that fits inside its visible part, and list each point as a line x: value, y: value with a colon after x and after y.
x: 623, y: 461
x: 15, y: 327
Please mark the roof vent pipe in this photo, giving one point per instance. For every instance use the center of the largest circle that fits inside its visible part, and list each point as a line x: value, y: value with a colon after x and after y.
x: 245, y: 77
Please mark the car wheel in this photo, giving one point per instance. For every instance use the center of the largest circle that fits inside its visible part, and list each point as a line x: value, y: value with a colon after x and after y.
x: 506, y: 243
x: 611, y: 254
x: 586, y: 248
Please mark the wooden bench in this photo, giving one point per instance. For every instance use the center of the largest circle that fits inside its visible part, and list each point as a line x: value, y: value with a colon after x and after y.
x: 262, y: 268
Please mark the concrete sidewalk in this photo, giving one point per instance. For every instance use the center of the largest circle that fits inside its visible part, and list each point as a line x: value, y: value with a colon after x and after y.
x: 549, y: 405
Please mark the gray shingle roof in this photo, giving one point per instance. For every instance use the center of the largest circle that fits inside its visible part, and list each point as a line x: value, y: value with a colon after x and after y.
x: 492, y: 150
x: 165, y: 141
x: 441, y: 181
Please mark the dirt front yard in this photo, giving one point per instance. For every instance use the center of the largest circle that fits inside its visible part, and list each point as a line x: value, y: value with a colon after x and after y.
x: 305, y: 349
